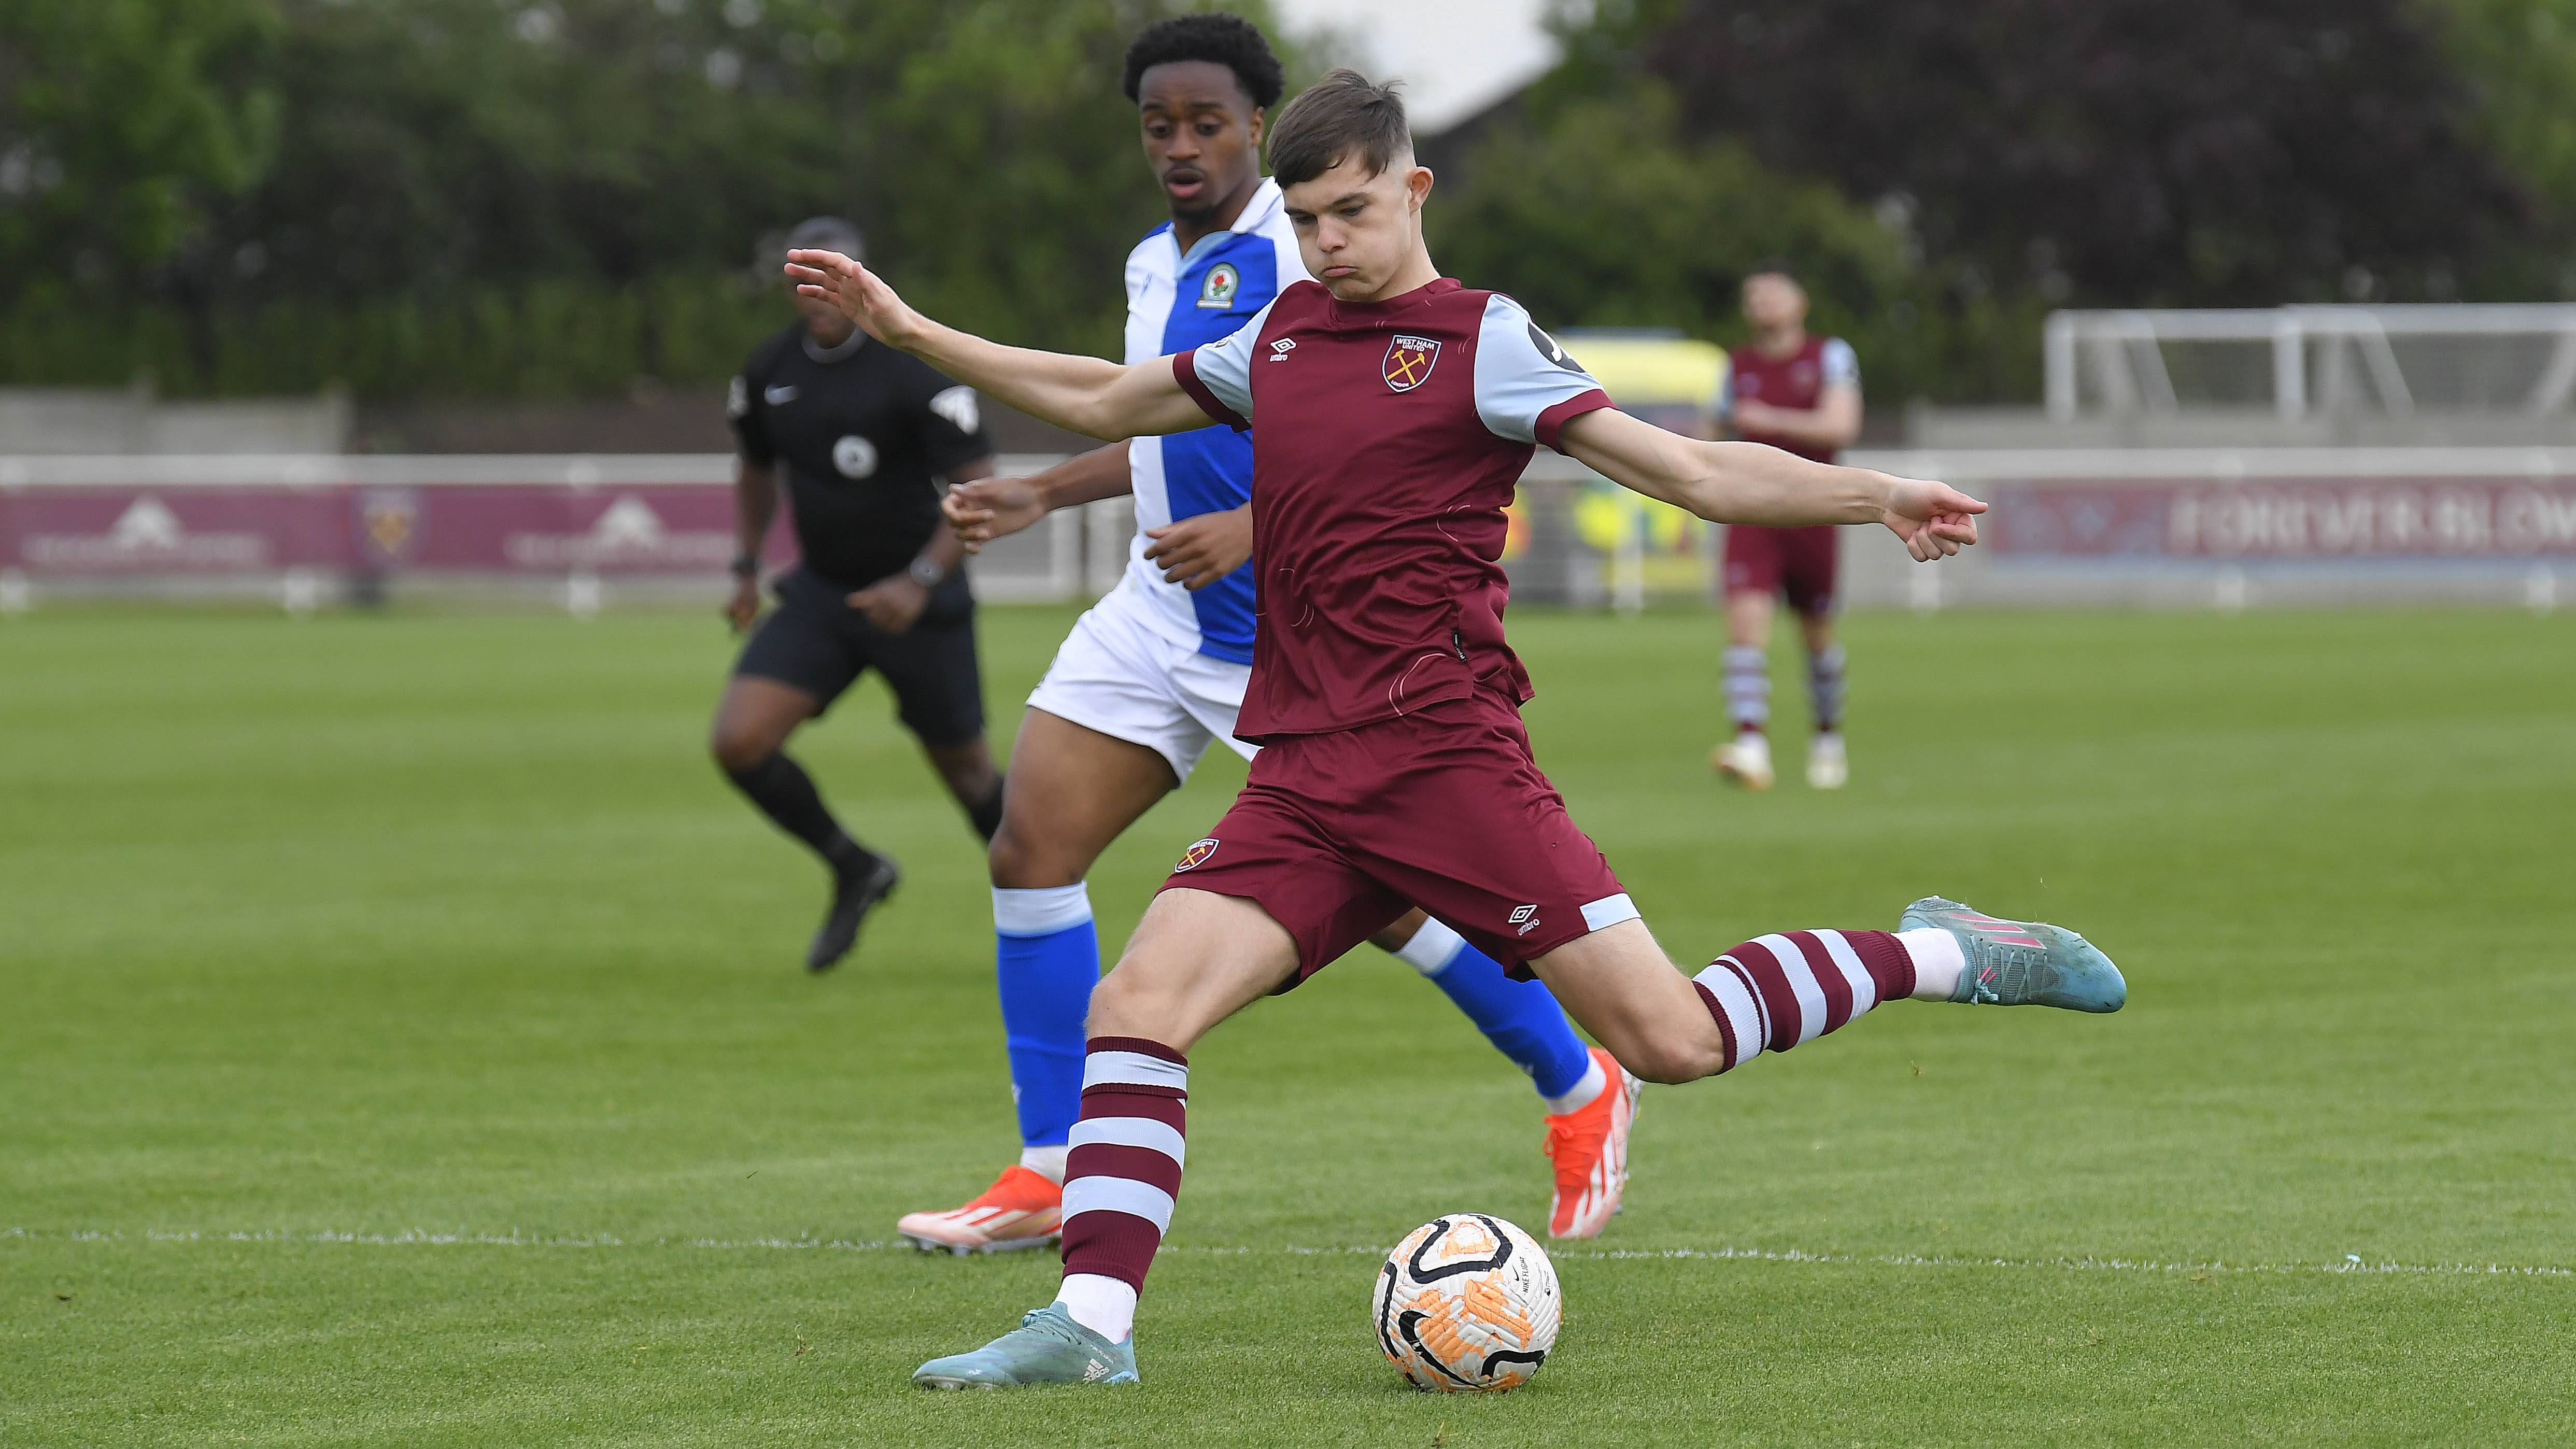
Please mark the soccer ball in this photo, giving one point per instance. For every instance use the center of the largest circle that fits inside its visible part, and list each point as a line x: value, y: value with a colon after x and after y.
x: 1467, y: 1301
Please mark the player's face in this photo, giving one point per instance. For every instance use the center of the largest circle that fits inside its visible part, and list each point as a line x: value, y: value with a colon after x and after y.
x: 1202, y: 134
x: 1773, y: 302
x: 1355, y: 230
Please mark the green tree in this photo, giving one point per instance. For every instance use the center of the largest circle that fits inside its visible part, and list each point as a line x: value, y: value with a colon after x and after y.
x: 2520, y: 55
x: 558, y: 196
x: 2121, y: 152
x: 122, y: 124
x: 1595, y: 213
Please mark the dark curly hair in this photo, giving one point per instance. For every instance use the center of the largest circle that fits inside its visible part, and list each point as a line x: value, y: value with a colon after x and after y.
x: 1227, y: 40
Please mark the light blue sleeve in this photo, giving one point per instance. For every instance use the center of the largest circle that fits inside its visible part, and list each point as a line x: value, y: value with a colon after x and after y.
x: 1842, y: 365
x: 1224, y: 367
x: 1521, y: 372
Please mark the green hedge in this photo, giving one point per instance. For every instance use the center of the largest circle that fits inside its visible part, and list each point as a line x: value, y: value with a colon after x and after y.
x: 547, y: 339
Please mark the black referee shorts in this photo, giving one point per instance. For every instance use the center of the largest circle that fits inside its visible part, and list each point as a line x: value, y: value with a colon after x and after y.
x: 814, y: 641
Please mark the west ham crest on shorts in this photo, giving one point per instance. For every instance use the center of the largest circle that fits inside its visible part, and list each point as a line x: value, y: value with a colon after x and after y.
x: 1409, y: 361
x: 1196, y: 855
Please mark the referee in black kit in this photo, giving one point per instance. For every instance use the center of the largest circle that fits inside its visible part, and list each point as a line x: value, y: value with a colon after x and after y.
x: 867, y: 436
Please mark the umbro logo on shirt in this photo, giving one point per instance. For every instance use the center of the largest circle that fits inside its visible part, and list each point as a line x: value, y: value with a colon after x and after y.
x: 1280, y: 349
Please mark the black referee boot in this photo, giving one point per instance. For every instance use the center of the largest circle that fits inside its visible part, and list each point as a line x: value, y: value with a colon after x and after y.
x: 858, y: 883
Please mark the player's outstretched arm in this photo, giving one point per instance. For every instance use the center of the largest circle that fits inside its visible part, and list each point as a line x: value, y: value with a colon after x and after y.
x: 1096, y: 398
x: 1754, y: 483
x: 994, y: 508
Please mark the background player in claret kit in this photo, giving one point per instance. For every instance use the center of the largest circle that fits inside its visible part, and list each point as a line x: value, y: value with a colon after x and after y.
x: 1393, y: 412
x: 1801, y: 393
x: 1155, y: 673
x: 866, y: 435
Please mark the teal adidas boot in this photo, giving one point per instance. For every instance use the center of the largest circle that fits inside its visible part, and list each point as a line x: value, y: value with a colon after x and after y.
x: 2021, y: 963
x: 1047, y: 1348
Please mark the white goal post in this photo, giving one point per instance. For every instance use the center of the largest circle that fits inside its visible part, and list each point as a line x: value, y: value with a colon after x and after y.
x: 2297, y: 361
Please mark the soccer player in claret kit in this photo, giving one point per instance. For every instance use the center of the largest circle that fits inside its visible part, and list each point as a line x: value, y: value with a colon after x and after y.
x: 1800, y: 393
x: 1392, y: 411
x: 866, y: 434
x: 1155, y: 673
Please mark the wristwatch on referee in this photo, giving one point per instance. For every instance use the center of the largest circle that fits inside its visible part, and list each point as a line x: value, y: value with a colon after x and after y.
x: 926, y: 572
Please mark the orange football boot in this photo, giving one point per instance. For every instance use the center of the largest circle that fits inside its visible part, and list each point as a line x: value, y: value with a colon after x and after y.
x: 1590, y: 1148
x: 1020, y: 1210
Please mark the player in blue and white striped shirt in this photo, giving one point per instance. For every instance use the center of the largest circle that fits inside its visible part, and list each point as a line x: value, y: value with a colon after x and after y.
x: 1155, y: 672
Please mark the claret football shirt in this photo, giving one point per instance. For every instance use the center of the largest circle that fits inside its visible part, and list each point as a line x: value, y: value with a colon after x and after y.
x: 1387, y: 439
x: 1797, y: 381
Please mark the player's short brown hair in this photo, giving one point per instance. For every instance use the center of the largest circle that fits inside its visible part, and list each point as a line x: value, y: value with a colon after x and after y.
x: 1344, y: 114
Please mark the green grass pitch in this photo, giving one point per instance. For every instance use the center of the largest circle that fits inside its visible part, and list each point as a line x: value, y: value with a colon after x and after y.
x: 405, y: 1044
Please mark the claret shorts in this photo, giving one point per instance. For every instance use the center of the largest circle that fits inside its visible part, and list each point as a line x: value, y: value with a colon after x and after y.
x: 1336, y: 834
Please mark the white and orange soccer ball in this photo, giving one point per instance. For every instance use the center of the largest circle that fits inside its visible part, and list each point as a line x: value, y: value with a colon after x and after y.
x: 1467, y: 1301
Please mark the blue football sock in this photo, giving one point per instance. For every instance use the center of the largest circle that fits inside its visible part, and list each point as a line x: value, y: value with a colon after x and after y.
x: 1048, y: 959
x: 1519, y: 1017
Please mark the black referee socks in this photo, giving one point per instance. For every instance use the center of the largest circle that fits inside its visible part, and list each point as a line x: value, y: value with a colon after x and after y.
x: 786, y: 794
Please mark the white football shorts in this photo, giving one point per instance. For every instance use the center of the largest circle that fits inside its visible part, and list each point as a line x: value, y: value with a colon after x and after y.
x: 1118, y: 674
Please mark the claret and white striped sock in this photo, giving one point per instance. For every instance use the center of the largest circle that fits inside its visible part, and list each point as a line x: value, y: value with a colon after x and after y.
x: 1774, y: 992
x: 1121, y: 1177
x: 1825, y: 689
x: 1748, y: 686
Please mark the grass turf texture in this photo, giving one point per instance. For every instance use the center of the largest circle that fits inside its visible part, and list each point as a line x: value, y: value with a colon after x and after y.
x: 413, y: 928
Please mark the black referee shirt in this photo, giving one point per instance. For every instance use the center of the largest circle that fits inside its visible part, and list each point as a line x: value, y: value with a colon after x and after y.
x: 864, y: 431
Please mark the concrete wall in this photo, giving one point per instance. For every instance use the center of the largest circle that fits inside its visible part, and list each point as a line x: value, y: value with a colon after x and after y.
x: 55, y: 421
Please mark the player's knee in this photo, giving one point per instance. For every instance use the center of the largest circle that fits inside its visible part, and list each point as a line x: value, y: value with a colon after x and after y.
x: 1672, y: 1054
x: 1018, y: 859
x: 1123, y: 1004
x: 736, y: 750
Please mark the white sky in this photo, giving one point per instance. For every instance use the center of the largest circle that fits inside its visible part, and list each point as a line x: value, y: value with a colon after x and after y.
x: 1454, y: 55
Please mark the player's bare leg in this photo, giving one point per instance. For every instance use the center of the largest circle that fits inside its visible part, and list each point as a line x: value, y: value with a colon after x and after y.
x: 753, y: 721
x: 1745, y: 757
x: 1072, y: 791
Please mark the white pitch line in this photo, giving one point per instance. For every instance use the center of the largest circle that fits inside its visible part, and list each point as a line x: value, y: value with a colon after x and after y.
x: 422, y: 1237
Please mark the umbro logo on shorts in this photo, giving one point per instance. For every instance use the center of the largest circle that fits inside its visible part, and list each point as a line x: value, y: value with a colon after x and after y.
x: 1196, y: 855
x: 1525, y: 917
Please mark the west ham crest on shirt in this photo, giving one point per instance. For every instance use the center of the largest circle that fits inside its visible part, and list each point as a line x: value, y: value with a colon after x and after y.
x: 1409, y: 361
x: 1217, y: 292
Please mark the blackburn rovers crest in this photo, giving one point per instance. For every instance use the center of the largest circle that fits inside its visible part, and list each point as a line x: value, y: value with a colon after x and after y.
x: 1196, y: 855
x: 1217, y: 292
x: 1409, y: 361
